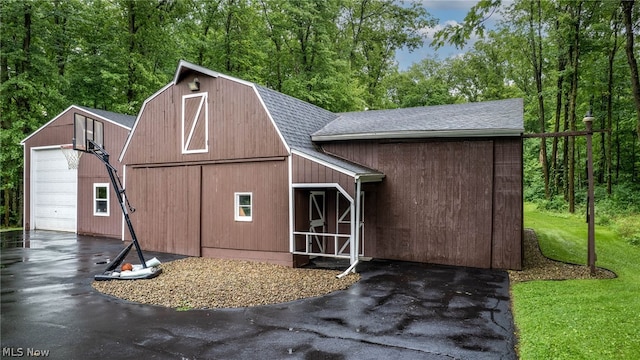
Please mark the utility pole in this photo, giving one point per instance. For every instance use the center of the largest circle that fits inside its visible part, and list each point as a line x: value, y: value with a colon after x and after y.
x: 591, y: 241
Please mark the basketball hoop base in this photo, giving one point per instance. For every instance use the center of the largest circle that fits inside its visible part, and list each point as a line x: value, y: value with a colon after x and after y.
x: 135, y: 275
x: 149, y: 270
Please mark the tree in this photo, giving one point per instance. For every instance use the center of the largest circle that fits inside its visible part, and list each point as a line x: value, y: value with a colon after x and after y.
x: 29, y: 83
x: 423, y: 84
x: 370, y: 33
x: 627, y: 9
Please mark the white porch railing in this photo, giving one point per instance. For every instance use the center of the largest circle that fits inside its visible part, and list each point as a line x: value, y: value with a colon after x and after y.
x: 338, y: 248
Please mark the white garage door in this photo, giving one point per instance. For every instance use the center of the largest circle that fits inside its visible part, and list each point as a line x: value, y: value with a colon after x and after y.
x: 54, y: 189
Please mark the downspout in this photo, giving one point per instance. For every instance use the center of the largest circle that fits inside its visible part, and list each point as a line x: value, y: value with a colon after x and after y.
x: 356, y: 237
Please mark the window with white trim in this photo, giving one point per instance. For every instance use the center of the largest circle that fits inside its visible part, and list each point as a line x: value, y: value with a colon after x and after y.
x: 243, y: 206
x: 101, y: 199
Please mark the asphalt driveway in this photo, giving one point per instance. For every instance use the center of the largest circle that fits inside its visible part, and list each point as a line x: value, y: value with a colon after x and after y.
x: 397, y: 310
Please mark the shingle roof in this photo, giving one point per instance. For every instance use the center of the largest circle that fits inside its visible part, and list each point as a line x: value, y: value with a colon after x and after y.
x: 122, y: 119
x: 297, y: 120
x: 489, y: 118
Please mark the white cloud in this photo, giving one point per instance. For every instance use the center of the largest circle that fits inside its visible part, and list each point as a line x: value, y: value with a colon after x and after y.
x: 429, y: 32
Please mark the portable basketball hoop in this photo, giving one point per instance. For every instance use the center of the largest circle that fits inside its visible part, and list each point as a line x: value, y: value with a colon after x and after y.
x: 72, y: 155
x: 88, y: 137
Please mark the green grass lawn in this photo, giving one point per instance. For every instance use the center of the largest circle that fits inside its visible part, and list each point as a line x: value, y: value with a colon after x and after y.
x: 579, y: 319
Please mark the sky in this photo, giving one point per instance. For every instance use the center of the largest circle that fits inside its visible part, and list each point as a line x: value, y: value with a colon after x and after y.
x: 446, y: 12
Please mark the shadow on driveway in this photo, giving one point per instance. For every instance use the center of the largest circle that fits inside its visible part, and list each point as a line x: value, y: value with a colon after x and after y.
x: 397, y: 310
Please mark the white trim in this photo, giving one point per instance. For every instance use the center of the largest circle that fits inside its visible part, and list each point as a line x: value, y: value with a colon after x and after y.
x: 323, y: 185
x: 95, y: 199
x: 355, y: 246
x: 124, y: 186
x: 194, y: 67
x: 32, y: 180
x: 236, y: 207
x: 204, y: 102
x: 364, y: 177
x: 182, y: 65
x: 419, y: 134
x: 291, y: 204
x: 275, y: 126
x: 203, y: 70
x: 321, y: 221
x: 24, y: 187
x: 135, y: 124
x: 64, y: 112
x: 324, y: 163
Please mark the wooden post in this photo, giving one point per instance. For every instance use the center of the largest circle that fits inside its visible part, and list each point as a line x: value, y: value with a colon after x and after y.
x: 591, y: 246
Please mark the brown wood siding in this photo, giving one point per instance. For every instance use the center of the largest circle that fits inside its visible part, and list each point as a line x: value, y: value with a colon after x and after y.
x: 167, y: 202
x: 269, y: 228
x: 467, y: 202
x: 507, y: 209
x: 306, y: 171
x: 467, y: 206
x: 370, y: 218
x: 90, y: 171
x: 437, y: 203
x: 362, y: 152
x: 239, y: 127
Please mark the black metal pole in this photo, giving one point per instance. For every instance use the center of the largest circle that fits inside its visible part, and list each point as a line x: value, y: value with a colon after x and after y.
x: 103, y: 155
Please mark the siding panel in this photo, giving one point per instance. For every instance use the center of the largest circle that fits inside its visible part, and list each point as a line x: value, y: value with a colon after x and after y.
x: 269, y: 229
x: 239, y: 127
x: 507, y: 211
x: 167, y: 202
x: 435, y: 204
x: 306, y: 171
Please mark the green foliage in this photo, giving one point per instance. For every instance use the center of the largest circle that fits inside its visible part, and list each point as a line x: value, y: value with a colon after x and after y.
x: 628, y: 228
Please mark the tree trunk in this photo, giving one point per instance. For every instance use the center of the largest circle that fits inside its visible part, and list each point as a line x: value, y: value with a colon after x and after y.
x: 562, y: 63
x: 7, y: 208
x: 131, y: 10
x: 61, y: 42
x: 535, y: 42
x: 608, y: 124
x: 627, y: 8
x: 575, y: 57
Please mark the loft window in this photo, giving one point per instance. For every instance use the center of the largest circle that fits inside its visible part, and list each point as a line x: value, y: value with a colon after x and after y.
x: 101, y: 199
x: 243, y: 206
x: 195, y: 123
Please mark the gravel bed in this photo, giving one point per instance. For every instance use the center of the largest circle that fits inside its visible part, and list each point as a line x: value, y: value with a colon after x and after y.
x: 538, y: 267
x: 202, y: 283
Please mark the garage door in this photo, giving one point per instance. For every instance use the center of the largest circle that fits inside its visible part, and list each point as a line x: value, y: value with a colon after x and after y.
x: 54, y: 189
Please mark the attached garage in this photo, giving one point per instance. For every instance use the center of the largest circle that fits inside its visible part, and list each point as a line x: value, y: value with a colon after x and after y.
x: 54, y: 191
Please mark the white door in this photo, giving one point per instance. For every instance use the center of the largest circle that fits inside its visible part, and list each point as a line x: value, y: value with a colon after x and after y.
x: 317, y: 220
x: 54, y: 191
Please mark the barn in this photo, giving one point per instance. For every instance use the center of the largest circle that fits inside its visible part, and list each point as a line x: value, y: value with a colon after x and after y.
x: 221, y: 167
x: 76, y: 200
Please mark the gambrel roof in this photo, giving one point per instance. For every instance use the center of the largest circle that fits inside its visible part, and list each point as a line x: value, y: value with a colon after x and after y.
x: 297, y: 120
x: 489, y: 118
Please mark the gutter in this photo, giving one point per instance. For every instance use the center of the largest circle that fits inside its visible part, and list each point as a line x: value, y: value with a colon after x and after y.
x: 419, y: 134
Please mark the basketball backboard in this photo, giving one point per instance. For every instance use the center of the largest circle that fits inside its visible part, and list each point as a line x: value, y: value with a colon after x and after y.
x: 87, y: 132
